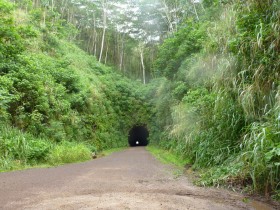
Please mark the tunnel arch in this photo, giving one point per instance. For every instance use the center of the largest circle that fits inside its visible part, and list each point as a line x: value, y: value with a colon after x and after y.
x: 138, y: 136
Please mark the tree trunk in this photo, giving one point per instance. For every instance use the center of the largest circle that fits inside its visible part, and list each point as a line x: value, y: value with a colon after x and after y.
x: 52, y: 5
x: 95, y: 45
x: 90, y: 43
x: 104, y: 2
x: 121, y: 51
x: 62, y: 9
x: 195, y: 11
x: 95, y: 37
x: 106, y: 56
x: 35, y: 3
x: 44, y: 17
x: 168, y: 17
x: 143, y: 65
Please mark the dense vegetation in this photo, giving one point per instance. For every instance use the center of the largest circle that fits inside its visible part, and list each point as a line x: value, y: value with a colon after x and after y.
x: 214, y: 99
x: 53, y: 93
x: 218, y: 100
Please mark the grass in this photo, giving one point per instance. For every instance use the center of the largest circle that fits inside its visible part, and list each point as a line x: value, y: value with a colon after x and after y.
x: 64, y: 153
x: 68, y: 152
x: 111, y: 151
x: 59, y: 156
x: 167, y: 157
x: 19, y: 151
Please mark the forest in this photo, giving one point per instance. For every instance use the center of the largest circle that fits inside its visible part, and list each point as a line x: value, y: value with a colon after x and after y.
x: 202, y: 75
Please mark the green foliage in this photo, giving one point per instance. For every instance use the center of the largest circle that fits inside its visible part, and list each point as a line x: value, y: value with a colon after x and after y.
x: 19, y: 149
x: 261, y: 155
x: 167, y: 157
x: 53, y: 92
x: 186, y: 42
x: 67, y: 152
x: 215, y: 101
x: 11, y: 43
x: 220, y: 107
x: 111, y: 151
x: 54, y: 98
x: 5, y: 98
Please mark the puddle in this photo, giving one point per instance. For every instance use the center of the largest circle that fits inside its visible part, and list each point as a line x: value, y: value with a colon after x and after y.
x: 260, y: 206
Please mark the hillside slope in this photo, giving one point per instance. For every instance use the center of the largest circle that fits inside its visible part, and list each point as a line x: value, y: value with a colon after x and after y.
x: 51, y: 92
x: 217, y: 95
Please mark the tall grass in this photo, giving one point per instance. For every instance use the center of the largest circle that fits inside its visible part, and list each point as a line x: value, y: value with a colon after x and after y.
x: 19, y: 150
x: 228, y: 121
x: 167, y: 157
x: 68, y: 152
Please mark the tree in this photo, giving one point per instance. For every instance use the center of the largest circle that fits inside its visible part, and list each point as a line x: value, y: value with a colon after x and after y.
x: 141, y: 52
x: 104, y: 18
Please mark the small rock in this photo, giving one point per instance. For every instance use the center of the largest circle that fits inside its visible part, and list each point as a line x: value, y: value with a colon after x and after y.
x: 93, y: 155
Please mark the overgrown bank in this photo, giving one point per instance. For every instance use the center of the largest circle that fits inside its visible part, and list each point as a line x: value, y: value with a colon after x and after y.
x: 217, y: 94
x: 56, y: 100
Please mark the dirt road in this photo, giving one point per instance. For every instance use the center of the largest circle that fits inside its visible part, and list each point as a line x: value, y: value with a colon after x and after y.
x: 131, y: 179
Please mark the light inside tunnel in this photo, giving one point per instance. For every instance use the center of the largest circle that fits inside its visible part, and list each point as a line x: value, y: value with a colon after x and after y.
x: 138, y: 136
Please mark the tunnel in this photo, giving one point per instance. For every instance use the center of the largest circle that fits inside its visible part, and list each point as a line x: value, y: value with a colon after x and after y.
x: 138, y: 136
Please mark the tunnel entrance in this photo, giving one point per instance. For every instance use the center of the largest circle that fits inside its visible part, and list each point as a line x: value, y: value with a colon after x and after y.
x: 138, y: 136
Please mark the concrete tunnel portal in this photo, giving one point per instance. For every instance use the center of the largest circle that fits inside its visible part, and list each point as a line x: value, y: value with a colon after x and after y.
x: 138, y: 136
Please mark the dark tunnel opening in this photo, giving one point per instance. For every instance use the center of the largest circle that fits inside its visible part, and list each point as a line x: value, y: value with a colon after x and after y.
x: 138, y: 136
